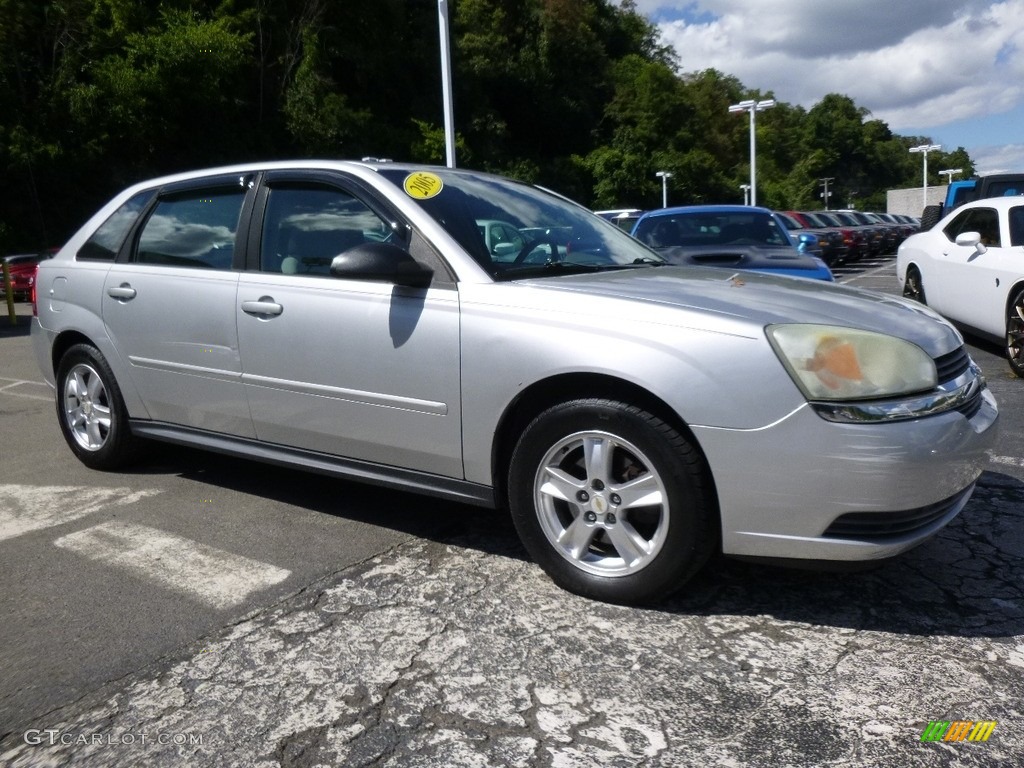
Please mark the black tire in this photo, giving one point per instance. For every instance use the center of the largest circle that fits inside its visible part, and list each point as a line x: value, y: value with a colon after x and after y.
x: 913, y: 287
x: 930, y: 217
x: 1015, y: 333
x: 91, y: 411
x: 631, y: 528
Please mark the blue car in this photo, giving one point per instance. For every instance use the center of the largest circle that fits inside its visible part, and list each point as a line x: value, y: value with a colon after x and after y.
x: 731, y: 236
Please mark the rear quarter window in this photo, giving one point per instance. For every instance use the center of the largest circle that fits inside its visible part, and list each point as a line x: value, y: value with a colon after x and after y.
x: 108, y: 238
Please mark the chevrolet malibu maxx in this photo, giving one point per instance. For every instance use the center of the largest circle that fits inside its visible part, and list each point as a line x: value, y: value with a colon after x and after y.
x: 633, y: 417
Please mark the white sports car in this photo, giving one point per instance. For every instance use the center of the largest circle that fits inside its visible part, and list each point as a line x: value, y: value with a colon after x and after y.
x: 970, y: 268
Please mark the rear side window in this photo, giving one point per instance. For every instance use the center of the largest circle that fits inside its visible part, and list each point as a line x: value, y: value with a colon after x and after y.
x: 193, y: 229
x: 107, y: 240
x: 1016, y: 217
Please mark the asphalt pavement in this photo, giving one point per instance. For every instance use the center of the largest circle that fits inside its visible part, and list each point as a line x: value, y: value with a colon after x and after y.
x: 202, y: 611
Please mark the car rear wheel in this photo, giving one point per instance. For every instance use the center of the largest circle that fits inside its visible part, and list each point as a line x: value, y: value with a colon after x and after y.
x: 913, y: 288
x: 1015, y: 333
x: 611, y: 501
x: 90, y: 410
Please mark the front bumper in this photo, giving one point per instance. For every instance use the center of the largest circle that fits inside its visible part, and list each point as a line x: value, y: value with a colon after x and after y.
x: 806, y: 488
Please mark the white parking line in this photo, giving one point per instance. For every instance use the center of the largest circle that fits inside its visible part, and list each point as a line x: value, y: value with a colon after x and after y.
x: 867, y: 273
x: 7, y: 387
x: 25, y: 508
x: 218, y: 578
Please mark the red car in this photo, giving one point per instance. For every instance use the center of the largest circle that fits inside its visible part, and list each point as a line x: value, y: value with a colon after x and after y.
x: 22, y: 267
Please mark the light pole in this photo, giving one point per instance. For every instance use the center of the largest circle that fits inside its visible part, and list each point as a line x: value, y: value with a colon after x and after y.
x: 746, y: 193
x: 949, y: 173
x: 665, y: 176
x: 446, y: 83
x: 924, y: 149
x: 826, y: 194
x: 753, y: 107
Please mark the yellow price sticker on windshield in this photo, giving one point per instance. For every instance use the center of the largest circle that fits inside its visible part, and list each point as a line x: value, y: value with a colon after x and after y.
x: 422, y: 185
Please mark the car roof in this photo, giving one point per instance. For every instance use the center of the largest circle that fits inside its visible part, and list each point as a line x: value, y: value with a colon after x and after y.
x: 1002, y: 202
x: 368, y: 164
x: 725, y: 208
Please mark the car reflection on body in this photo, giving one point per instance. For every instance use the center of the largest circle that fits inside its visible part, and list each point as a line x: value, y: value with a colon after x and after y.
x: 634, y: 417
x: 731, y: 236
x: 969, y: 268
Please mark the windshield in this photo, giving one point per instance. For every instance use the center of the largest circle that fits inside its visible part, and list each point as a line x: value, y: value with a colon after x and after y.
x: 697, y: 228
x: 516, y: 230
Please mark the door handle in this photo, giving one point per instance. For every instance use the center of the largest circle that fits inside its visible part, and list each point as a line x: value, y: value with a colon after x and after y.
x: 122, y: 292
x: 265, y: 306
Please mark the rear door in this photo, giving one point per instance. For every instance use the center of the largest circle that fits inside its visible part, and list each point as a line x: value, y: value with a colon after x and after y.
x: 169, y: 305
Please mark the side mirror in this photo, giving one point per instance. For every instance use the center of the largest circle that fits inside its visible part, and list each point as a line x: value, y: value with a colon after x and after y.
x: 971, y: 240
x: 381, y: 261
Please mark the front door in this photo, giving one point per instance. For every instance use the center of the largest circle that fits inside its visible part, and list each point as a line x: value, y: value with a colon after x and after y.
x: 360, y: 369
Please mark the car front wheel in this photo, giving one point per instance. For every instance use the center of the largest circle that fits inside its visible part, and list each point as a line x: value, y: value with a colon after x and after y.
x: 611, y: 501
x: 1015, y: 333
x: 90, y: 409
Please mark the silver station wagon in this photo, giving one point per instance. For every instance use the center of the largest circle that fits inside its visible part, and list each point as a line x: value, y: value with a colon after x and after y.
x: 634, y: 417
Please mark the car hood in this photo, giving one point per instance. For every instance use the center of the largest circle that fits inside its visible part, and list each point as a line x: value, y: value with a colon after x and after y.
x: 710, y: 296
x: 738, y: 256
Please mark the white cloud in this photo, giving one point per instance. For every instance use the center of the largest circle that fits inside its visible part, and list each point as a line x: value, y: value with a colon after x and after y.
x: 912, y: 63
x: 999, y: 159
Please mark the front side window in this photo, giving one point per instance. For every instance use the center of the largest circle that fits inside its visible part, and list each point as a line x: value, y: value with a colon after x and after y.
x: 306, y: 226
x: 192, y: 229
x: 984, y: 221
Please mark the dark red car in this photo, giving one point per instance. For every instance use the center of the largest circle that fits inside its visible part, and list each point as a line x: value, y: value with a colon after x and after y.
x: 22, y: 267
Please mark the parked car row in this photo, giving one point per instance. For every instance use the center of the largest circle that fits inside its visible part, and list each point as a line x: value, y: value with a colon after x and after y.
x: 731, y: 236
x: 835, y: 237
x: 853, y: 235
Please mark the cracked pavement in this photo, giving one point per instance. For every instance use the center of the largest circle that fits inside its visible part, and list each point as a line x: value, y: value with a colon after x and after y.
x: 461, y: 652
x: 451, y: 649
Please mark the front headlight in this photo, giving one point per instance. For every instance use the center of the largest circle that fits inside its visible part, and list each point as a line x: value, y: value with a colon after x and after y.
x: 831, y: 363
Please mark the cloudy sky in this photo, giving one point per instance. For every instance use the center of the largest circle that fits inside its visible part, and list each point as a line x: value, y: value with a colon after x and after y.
x: 951, y: 70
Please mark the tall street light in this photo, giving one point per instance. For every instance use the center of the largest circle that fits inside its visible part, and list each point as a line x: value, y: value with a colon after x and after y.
x: 753, y: 107
x: 949, y: 173
x: 665, y: 176
x: 446, y: 83
x: 924, y: 149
